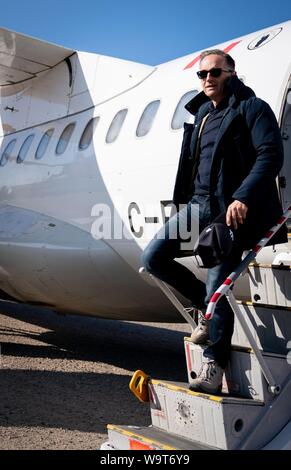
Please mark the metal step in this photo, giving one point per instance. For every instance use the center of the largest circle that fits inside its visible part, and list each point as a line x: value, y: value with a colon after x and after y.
x: 218, y: 421
x: 271, y: 283
x: 243, y: 376
x: 270, y: 326
x: 148, y: 438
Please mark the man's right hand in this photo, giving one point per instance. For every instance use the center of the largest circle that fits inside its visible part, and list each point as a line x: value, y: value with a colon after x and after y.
x: 236, y: 214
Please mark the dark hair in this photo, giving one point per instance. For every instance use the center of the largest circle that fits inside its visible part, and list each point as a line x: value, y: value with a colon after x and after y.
x: 229, y: 60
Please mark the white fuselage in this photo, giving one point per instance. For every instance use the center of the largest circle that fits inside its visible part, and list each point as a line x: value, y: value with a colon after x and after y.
x: 50, y: 206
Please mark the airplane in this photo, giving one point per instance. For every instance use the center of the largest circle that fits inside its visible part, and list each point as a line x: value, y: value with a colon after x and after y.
x: 88, y: 157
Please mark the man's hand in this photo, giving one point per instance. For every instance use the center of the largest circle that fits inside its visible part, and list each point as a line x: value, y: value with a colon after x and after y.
x: 236, y: 213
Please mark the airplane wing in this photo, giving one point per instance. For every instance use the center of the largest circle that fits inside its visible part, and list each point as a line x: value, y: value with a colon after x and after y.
x: 23, y: 57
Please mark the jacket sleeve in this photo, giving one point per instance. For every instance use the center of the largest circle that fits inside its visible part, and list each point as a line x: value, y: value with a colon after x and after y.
x: 182, y: 177
x: 267, y: 143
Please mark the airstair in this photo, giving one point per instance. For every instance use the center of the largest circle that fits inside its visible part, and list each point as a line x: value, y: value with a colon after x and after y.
x: 253, y: 410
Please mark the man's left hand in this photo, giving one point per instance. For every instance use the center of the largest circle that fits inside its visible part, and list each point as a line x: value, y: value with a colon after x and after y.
x: 236, y: 214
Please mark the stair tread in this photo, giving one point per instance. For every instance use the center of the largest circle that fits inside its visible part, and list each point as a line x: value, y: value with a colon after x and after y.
x: 223, y: 398
x: 271, y: 308
x: 234, y: 347
x: 151, y: 435
x: 282, y: 267
x: 241, y: 349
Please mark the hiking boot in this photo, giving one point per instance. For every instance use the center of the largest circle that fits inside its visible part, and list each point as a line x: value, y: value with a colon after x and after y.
x: 209, y: 379
x: 201, y: 333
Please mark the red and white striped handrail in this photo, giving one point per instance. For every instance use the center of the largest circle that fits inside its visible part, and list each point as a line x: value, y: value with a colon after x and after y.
x: 229, y: 281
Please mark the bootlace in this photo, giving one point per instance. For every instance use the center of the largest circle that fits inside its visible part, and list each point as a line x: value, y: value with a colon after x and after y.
x: 207, y: 370
x: 202, y: 319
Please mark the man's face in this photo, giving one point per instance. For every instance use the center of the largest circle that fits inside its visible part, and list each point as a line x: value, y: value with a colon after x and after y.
x: 215, y: 87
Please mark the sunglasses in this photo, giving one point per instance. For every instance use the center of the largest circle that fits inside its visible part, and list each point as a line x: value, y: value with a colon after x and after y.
x: 216, y: 72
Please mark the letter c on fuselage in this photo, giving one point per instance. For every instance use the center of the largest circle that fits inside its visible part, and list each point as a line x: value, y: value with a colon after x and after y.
x: 133, y: 206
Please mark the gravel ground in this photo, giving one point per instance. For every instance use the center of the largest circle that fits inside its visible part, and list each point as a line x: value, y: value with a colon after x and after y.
x: 64, y: 378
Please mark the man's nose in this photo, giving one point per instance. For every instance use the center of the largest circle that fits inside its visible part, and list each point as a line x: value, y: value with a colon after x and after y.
x: 208, y: 77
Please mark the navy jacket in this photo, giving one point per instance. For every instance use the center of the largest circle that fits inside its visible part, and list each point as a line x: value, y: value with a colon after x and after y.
x: 247, y: 157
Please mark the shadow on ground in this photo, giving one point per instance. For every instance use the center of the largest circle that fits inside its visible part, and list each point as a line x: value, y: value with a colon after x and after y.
x: 84, y: 401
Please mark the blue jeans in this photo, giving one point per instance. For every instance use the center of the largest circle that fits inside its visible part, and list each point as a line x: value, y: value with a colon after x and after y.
x: 158, y: 259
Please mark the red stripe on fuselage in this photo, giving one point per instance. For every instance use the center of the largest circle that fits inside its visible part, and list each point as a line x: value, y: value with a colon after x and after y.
x: 194, y: 61
x: 231, y: 46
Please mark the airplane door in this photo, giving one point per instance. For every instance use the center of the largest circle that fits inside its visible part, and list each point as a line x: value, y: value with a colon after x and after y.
x: 285, y: 174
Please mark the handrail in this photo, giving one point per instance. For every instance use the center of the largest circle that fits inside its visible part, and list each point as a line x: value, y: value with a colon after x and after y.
x: 230, y: 280
x: 225, y: 289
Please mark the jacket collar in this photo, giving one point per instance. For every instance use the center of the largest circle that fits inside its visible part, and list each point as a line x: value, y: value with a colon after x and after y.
x: 238, y: 92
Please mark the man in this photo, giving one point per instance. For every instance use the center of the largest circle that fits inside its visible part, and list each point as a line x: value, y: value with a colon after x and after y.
x: 229, y: 162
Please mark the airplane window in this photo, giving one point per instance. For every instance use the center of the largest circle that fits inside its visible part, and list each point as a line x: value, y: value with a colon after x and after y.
x: 147, y: 118
x: 7, y: 152
x: 64, y: 139
x: 115, y: 126
x: 24, y: 148
x: 87, y: 135
x: 181, y: 115
x: 42, y: 146
x: 289, y: 97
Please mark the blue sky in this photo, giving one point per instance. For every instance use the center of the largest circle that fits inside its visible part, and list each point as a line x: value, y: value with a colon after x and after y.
x: 148, y: 31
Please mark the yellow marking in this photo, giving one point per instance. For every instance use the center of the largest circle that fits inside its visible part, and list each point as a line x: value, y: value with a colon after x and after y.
x: 259, y: 305
x: 283, y: 267
x: 233, y: 347
x: 188, y: 392
x: 245, y: 302
x: 133, y: 435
